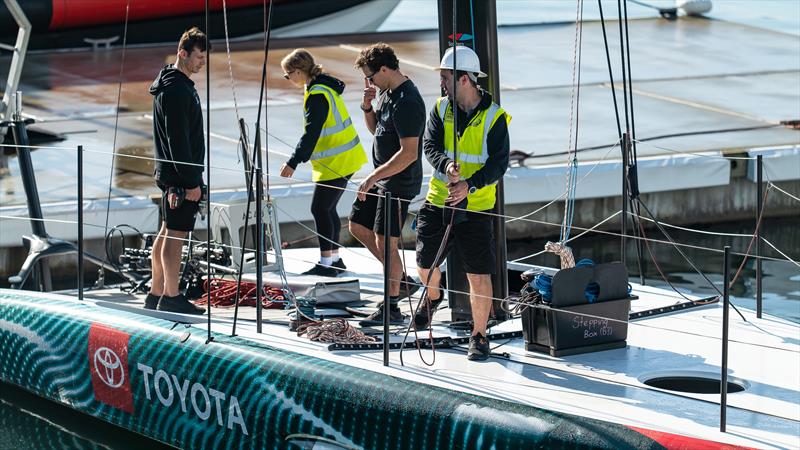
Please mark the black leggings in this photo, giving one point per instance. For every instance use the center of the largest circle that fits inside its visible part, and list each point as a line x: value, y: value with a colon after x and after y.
x: 323, y: 208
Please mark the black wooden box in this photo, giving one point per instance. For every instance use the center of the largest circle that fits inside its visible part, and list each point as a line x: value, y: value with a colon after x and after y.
x: 570, y: 324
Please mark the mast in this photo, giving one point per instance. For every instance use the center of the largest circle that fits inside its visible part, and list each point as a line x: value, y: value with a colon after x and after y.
x: 479, y: 20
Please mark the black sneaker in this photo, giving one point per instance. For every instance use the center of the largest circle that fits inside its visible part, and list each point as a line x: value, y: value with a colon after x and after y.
x: 408, y: 286
x: 375, y: 319
x: 322, y: 271
x: 151, y: 301
x: 478, y: 348
x: 339, y: 266
x: 422, y: 319
x: 179, y: 304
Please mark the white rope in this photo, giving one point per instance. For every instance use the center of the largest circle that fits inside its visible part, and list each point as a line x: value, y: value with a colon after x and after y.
x: 773, y: 186
x: 692, y: 230
x: 597, y: 163
x: 781, y: 253
x: 615, y: 214
x: 230, y: 64
x: 702, y: 155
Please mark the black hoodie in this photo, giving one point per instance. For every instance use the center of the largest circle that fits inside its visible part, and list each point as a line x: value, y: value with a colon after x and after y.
x: 316, y: 111
x: 177, y: 129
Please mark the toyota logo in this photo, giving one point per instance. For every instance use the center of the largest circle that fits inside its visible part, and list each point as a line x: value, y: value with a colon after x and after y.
x: 108, y: 367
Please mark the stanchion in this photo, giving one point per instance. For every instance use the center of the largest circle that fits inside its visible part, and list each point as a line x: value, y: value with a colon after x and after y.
x: 387, y: 269
x: 260, y: 245
x: 80, y: 222
x: 624, y: 225
x: 759, y: 206
x: 723, y: 378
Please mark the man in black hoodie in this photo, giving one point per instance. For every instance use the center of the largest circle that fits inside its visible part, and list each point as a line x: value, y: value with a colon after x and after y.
x: 179, y: 152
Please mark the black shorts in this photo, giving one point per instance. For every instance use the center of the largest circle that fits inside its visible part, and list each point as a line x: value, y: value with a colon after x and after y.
x: 473, y: 239
x: 369, y: 213
x: 181, y: 218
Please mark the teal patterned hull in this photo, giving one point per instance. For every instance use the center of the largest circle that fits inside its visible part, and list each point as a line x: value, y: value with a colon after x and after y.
x: 138, y: 373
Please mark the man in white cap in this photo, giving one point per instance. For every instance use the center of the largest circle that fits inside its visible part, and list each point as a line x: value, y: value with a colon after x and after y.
x: 471, y: 173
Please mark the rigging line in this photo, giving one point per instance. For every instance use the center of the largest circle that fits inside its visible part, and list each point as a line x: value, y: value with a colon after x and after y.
x: 230, y: 64
x: 658, y: 266
x: 116, y: 119
x: 630, y: 81
x: 610, y: 72
x: 586, y: 230
x: 686, y: 258
x: 782, y: 254
x: 755, y: 233
x: 702, y: 132
x: 571, y: 155
x: 624, y: 75
x: 597, y: 163
x: 209, y: 338
x: 615, y: 214
x: 774, y: 186
x: 691, y: 230
x: 713, y: 154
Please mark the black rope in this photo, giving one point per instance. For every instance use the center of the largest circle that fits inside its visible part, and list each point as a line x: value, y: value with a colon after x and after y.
x: 209, y: 338
x: 685, y: 257
x: 630, y: 81
x: 610, y: 72
x: 267, y: 15
x: 624, y: 77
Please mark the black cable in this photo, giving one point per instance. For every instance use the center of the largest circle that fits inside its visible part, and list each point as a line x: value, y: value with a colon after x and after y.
x: 630, y: 81
x: 267, y: 15
x: 622, y: 58
x: 610, y: 72
x: 209, y: 338
x: 685, y: 257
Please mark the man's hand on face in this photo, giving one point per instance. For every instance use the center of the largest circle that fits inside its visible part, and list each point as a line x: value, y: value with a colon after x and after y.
x: 369, y: 95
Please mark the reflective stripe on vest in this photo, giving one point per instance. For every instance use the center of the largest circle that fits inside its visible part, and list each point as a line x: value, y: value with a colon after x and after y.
x: 338, y: 151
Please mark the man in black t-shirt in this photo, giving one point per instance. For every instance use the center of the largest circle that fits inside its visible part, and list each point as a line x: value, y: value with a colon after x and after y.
x: 397, y: 122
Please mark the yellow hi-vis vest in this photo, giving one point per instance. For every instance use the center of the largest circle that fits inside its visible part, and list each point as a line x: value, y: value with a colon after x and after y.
x: 472, y: 154
x: 338, y: 152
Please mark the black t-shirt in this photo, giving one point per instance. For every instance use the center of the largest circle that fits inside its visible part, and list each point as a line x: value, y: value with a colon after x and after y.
x: 400, y: 114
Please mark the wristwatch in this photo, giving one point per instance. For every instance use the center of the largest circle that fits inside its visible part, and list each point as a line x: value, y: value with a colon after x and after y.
x: 470, y: 188
x: 366, y: 110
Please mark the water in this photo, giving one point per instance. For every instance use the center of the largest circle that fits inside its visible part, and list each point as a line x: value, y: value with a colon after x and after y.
x: 31, y: 423
x: 28, y: 422
x: 776, y: 15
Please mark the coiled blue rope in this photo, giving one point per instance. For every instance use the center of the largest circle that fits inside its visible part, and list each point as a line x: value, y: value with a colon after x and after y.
x: 544, y: 284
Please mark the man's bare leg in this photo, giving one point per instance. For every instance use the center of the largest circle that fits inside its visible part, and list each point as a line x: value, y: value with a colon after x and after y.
x: 396, y: 268
x: 433, y: 285
x: 157, y: 281
x: 367, y: 239
x: 480, y: 300
x: 171, y: 260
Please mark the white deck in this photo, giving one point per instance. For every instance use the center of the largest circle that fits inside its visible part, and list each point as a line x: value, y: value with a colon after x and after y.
x: 764, y: 356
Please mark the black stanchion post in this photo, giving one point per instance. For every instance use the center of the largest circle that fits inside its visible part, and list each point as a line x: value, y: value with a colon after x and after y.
x: 723, y: 378
x: 387, y: 270
x: 260, y: 245
x: 759, y: 206
x: 624, y: 227
x: 80, y: 222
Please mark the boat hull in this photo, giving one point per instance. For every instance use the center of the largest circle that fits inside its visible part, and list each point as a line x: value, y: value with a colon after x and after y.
x: 162, y: 380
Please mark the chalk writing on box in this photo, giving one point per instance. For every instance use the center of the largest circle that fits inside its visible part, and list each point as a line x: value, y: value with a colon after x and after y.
x: 592, y: 327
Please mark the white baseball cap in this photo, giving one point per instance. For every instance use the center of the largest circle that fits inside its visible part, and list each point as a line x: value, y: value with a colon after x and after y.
x: 466, y: 59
